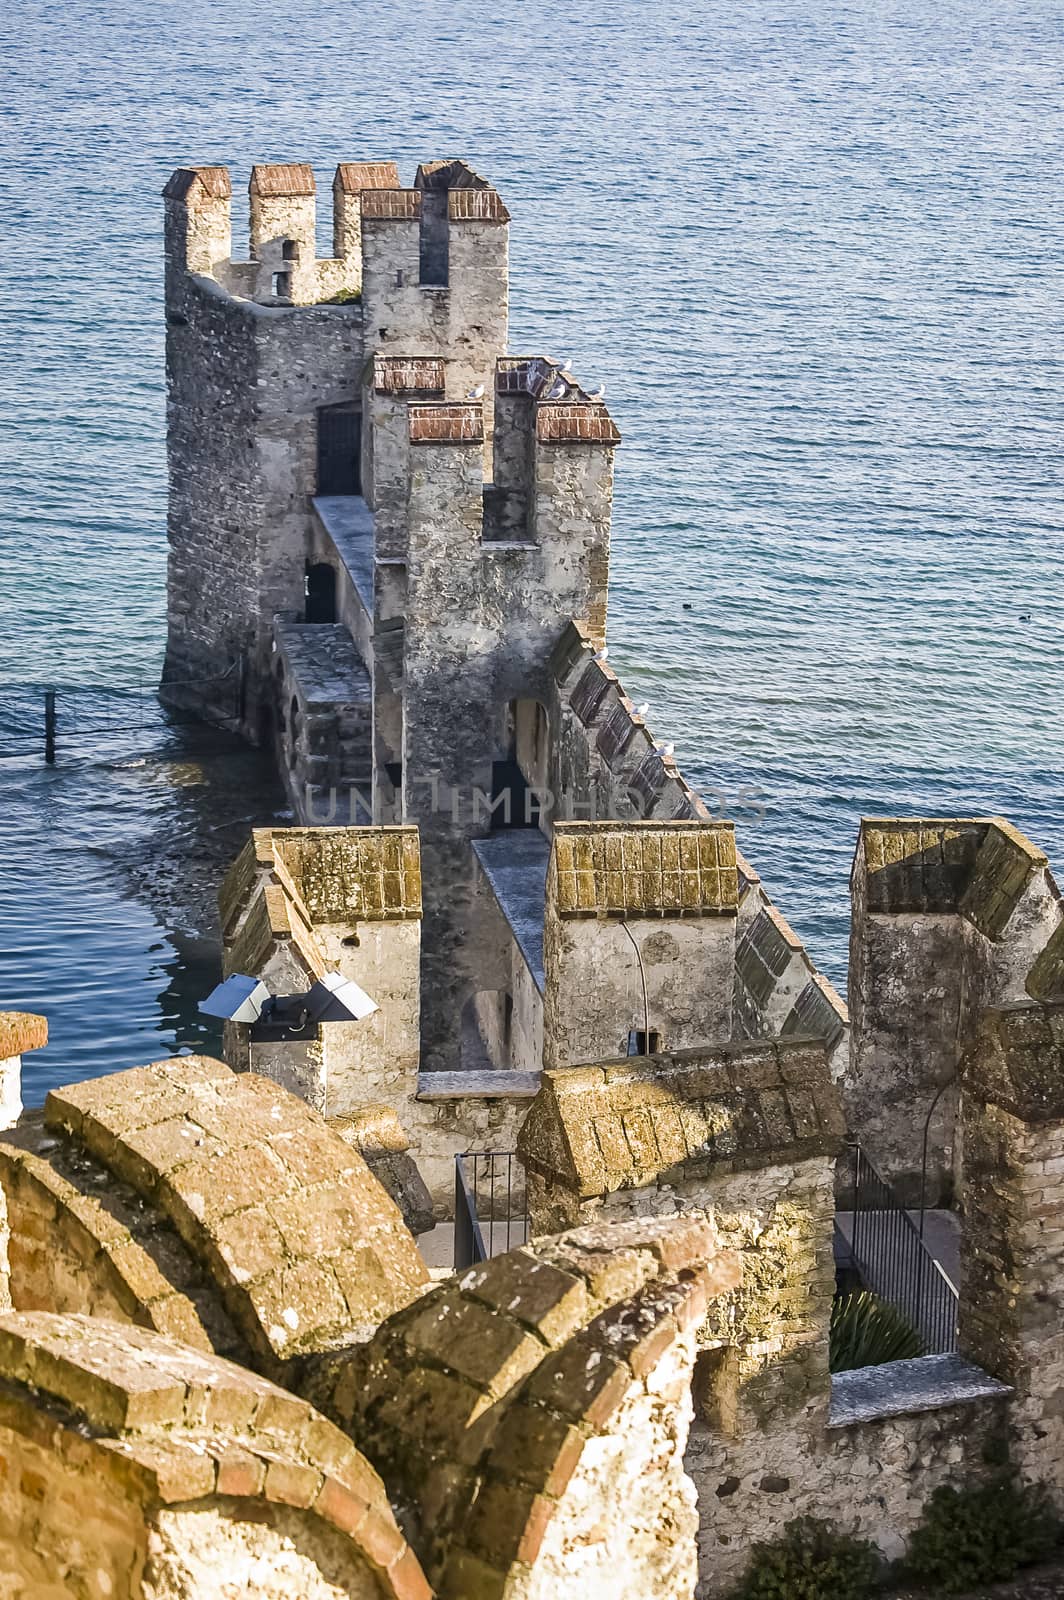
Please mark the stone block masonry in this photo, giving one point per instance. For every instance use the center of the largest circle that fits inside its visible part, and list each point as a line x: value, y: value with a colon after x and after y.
x: 214, y: 1207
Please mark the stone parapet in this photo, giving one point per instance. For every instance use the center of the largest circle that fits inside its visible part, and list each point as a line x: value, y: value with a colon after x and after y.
x: 512, y: 1399
x: 125, y: 1444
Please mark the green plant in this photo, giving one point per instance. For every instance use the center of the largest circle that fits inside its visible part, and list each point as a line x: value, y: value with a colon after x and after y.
x: 982, y: 1534
x: 867, y: 1332
x: 343, y: 297
x: 810, y: 1561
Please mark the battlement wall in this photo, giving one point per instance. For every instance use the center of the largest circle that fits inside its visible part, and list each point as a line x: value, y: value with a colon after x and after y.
x: 949, y: 916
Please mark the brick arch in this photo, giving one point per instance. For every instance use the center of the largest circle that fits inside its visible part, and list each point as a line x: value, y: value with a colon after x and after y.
x: 220, y: 1189
x: 477, y: 1404
x: 148, y: 1463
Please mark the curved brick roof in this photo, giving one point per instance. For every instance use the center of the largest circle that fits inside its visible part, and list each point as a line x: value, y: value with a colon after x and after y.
x: 291, y: 1240
x: 476, y: 1403
x: 163, y: 1425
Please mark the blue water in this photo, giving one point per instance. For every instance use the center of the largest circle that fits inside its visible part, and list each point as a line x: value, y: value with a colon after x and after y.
x: 814, y: 252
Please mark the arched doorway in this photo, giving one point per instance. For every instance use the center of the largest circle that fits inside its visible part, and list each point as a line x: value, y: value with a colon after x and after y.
x: 321, y: 592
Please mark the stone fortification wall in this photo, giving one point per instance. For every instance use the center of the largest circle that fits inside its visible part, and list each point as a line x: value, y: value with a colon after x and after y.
x: 247, y: 373
x: 481, y: 618
x: 605, y: 764
x: 949, y: 916
x: 748, y: 1134
x: 634, y: 904
x: 530, y: 1415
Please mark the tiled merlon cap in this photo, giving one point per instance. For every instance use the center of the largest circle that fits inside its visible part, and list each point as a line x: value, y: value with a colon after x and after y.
x: 644, y: 869
x: 476, y: 205
x: 391, y: 205
x: 276, y: 182
x: 405, y: 374
x: 354, y: 176
x: 214, y: 181
x: 576, y: 424
x: 451, y: 173
x: 446, y: 423
x: 1016, y: 1062
x: 21, y: 1031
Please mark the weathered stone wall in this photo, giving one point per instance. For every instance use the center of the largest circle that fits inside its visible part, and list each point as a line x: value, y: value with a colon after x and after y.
x: 481, y: 620
x: 948, y: 917
x: 244, y: 384
x: 604, y: 764
x: 537, y: 1399
x: 1012, y: 1262
x: 628, y: 903
x: 871, y: 1479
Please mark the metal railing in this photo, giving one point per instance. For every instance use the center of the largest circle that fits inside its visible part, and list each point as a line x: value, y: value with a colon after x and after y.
x: 490, y: 1213
x: 887, y: 1249
x: 71, y: 717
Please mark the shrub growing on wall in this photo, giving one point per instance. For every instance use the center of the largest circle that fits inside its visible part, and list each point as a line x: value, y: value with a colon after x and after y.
x: 982, y: 1534
x: 810, y: 1561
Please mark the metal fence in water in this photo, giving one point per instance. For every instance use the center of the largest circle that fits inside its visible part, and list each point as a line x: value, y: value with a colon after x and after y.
x: 888, y: 1251
x: 490, y: 1214
x: 51, y: 720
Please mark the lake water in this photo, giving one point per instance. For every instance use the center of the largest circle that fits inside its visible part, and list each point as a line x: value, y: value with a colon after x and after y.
x: 815, y: 253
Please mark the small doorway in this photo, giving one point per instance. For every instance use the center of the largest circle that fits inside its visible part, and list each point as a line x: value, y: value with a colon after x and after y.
x: 321, y: 593
x: 339, y: 450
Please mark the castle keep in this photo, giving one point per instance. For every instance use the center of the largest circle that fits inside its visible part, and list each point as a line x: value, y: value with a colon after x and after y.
x: 226, y: 1365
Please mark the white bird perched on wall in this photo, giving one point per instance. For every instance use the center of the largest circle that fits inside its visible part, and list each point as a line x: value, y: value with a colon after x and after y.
x: 665, y: 749
x: 597, y: 393
x: 558, y: 390
x: 603, y: 654
x: 565, y: 365
x: 642, y: 710
x: 477, y: 393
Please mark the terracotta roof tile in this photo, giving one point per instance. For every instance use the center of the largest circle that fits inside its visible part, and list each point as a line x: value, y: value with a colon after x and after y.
x: 213, y: 180
x: 275, y: 182
x: 354, y: 176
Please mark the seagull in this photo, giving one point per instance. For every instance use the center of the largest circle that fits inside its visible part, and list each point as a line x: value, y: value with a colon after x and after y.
x: 603, y: 654
x: 665, y: 749
x: 477, y: 393
x: 598, y: 392
x: 564, y: 365
x: 642, y: 710
x: 558, y: 390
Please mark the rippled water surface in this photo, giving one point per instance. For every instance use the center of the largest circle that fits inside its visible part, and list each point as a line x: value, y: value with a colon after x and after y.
x: 813, y: 251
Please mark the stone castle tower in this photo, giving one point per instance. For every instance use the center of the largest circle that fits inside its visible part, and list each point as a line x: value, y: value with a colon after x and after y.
x: 380, y: 524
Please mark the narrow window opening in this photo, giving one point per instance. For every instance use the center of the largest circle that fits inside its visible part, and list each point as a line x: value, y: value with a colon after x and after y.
x: 320, y: 593
x: 289, y: 250
x: 282, y: 283
x: 435, y: 238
